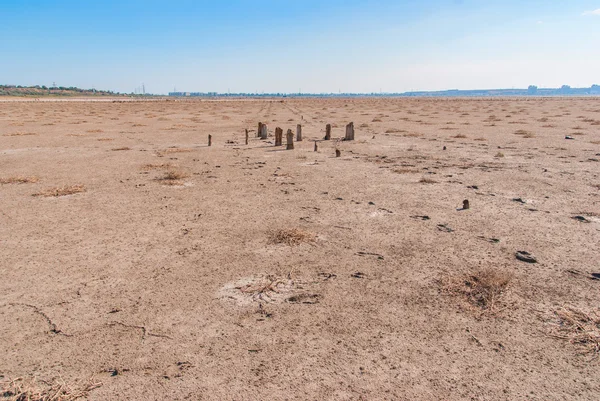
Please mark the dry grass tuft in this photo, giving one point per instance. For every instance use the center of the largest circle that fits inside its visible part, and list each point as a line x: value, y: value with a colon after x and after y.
x: 578, y: 328
x: 394, y: 131
x: 29, y: 390
x: 499, y: 154
x: 94, y: 131
x: 18, y: 180
x: 291, y: 237
x: 524, y: 134
x: 105, y: 139
x: 158, y: 166
x: 425, y: 180
x: 61, y: 191
x: 20, y: 134
x: 405, y: 171
x: 172, y: 177
x: 460, y: 136
x: 123, y: 148
x: 173, y: 150
x: 482, y: 288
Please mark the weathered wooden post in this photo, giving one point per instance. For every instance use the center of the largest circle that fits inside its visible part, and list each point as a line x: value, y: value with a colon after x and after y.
x: 278, y: 136
x: 259, y: 130
x: 349, y: 132
x: 316, y: 148
x: 327, y: 132
x: 246, y: 136
x: 290, y: 140
x: 338, y: 153
x: 209, y: 140
x: 264, y: 131
x: 298, y: 133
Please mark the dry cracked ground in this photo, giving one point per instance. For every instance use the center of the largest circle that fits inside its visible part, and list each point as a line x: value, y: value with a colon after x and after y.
x: 138, y: 263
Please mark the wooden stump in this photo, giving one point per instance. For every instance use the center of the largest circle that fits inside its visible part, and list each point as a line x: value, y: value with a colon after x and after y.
x: 259, y: 130
x: 466, y: 205
x: 316, y: 147
x: 338, y: 153
x: 278, y: 136
x: 298, y: 133
x: 290, y: 140
x: 327, y: 132
x: 264, y: 131
x: 209, y: 140
x: 246, y: 136
x: 349, y: 132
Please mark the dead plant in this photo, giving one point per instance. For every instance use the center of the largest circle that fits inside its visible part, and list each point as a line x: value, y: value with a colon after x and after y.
x: 31, y: 390
x: 157, y: 166
x: 18, y: 180
x: 264, y: 290
x: 524, y: 134
x: 425, y: 180
x: 291, y: 237
x: 172, y: 177
x: 578, y: 328
x: 61, y: 191
x: 482, y: 288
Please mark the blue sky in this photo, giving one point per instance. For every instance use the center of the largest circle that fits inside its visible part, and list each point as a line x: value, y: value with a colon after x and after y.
x: 308, y: 45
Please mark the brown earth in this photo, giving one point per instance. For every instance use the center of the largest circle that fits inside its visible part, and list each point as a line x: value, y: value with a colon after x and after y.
x: 134, y: 255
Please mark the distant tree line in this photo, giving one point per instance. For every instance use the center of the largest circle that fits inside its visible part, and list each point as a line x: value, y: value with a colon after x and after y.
x: 42, y: 90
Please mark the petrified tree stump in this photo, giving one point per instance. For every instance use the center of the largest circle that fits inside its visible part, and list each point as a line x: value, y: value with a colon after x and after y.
x: 209, y: 140
x: 298, y: 133
x: 278, y: 136
x: 316, y: 147
x: 466, y: 205
x: 349, y: 132
x: 263, y: 131
x: 246, y: 136
x: 290, y: 140
x: 327, y: 132
x: 259, y: 130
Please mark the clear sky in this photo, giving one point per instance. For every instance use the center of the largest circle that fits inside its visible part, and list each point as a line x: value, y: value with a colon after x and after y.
x: 300, y: 45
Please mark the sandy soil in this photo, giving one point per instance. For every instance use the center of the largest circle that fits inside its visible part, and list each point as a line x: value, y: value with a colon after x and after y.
x: 177, y: 288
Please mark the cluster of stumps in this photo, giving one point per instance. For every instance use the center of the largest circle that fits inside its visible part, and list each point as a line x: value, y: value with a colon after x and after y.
x: 262, y: 133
